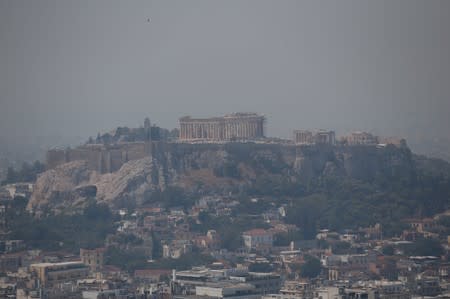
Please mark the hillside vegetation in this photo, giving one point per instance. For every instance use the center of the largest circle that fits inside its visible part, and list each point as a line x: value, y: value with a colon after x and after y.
x: 322, y: 187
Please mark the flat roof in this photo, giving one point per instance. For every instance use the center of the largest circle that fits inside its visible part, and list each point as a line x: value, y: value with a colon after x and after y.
x: 41, y: 265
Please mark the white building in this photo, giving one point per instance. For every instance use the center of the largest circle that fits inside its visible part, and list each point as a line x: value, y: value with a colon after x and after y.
x: 228, y: 290
x: 257, y: 238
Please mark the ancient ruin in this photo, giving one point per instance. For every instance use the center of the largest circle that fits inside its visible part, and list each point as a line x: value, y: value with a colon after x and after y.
x: 231, y: 126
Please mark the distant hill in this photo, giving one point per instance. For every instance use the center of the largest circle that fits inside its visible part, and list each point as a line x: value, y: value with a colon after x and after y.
x: 345, y: 186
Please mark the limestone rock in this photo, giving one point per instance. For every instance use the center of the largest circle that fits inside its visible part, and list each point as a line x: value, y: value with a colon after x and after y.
x: 54, y: 187
x: 211, y: 169
x: 130, y: 182
x: 68, y: 187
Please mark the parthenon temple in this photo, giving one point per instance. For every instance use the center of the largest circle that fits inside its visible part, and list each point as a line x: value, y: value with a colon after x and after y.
x: 230, y: 126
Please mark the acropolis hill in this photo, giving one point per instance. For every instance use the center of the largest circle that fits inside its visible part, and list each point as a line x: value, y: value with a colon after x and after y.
x: 109, y: 152
x: 127, y: 164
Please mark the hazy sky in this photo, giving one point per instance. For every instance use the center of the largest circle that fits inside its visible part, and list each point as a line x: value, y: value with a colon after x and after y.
x: 79, y: 67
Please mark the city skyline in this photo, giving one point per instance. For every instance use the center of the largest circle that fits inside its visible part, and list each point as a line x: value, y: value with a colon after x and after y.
x: 235, y: 149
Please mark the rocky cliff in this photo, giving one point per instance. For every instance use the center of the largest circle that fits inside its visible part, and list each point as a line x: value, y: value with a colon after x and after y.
x: 57, y: 189
x: 359, y: 162
x: 70, y: 186
x: 211, y: 168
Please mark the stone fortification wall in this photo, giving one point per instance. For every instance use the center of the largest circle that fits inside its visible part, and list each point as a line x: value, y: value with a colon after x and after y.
x: 101, y: 158
x: 55, y: 157
x: 91, y: 155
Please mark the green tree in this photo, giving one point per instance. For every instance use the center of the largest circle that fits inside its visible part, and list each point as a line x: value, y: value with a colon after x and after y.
x: 260, y: 267
x: 69, y: 232
x: 388, y: 250
x: 444, y: 221
x: 171, y: 197
x: 340, y: 247
x: 157, y: 249
x: 184, y: 262
x: 311, y: 268
x: 306, y: 214
x: 425, y: 247
x: 127, y: 260
x: 27, y: 173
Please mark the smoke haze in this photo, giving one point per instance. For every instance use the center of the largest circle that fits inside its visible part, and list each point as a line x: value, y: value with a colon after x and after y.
x: 70, y: 69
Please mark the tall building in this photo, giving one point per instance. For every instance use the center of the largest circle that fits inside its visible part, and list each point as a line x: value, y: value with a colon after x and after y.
x: 228, y: 127
x: 51, y: 274
x: 257, y: 238
x: 93, y: 258
x: 3, y: 214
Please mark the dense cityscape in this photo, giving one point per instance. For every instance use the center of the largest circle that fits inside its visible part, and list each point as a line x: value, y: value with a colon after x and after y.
x: 201, y: 149
x: 70, y: 229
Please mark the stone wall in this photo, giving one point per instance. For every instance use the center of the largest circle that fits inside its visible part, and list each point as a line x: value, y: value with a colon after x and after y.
x: 101, y: 158
x: 55, y: 157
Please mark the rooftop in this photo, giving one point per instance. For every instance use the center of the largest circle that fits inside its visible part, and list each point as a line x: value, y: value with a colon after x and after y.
x: 257, y: 232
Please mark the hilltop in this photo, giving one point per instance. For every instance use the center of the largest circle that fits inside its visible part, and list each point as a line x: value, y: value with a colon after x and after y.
x: 345, y: 186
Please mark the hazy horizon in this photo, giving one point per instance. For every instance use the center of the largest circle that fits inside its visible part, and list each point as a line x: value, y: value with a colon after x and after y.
x: 71, y: 69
